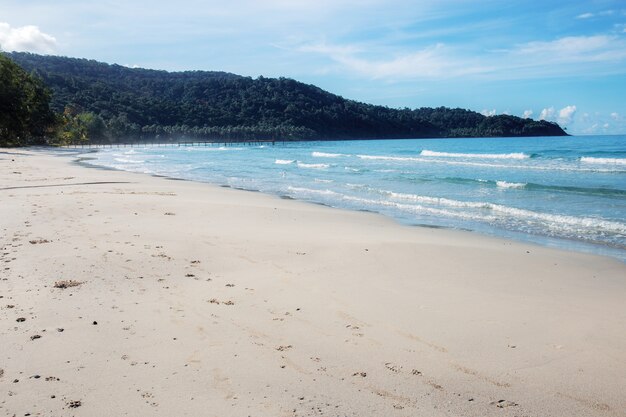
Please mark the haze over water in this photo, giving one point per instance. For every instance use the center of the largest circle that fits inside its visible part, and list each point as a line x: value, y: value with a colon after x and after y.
x: 568, y: 192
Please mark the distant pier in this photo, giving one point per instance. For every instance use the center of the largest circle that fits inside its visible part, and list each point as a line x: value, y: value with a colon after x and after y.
x: 138, y: 144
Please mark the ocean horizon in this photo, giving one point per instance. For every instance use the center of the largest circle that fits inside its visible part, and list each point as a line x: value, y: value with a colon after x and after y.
x: 564, y: 192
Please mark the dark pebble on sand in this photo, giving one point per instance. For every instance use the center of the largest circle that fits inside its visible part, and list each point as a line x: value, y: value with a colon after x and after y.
x: 35, y: 337
x: 95, y: 323
x: 20, y: 319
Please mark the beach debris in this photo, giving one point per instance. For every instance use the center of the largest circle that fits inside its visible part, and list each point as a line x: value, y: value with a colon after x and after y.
x: 95, y: 323
x: 503, y: 403
x: 38, y: 241
x: 416, y: 372
x: 361, y: 374
x: 67, y: 283
x: 35, y: 337
x: 1, y: 372
x: 20, y: 319
x: 74, y: 404
x: 230, y: 285
x: 169, y: 213
x: 282, y: 348
x: 189, y: 275
x: 226, y: 303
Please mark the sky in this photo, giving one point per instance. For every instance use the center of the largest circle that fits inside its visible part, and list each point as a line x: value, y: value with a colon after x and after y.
x: 562, y: 61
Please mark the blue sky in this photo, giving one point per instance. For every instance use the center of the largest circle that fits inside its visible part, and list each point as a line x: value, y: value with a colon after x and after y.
x: 559, y: 60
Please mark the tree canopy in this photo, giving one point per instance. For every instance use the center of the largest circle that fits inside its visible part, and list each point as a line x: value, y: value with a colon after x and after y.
x: 25, y: 115
x: 128, y: 103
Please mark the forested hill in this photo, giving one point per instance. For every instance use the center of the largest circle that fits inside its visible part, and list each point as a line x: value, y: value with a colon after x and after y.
x: 140, y: 103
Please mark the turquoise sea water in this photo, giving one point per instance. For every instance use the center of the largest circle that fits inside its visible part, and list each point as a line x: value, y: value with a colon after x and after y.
x: 567, y: 192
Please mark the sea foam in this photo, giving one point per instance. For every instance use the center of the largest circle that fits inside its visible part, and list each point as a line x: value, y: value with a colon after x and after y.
x: 504, y: 184
x: 327, y: 155
x: 515, y: 155
x: 312, y: 166
x: 603, y: 161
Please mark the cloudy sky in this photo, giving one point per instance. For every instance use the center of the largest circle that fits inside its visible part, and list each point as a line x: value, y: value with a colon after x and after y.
x: 558, y: 60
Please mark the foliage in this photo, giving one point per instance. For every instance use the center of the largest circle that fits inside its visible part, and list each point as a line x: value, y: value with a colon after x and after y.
x: 25, y: 115
x: 149, y: 104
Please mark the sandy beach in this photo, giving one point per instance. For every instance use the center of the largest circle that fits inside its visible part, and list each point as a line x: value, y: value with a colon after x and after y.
x: 127, y: 294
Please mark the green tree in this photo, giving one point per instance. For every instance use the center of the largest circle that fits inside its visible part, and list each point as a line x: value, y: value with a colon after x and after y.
x: 95, y: 128
x: 25, y: 115
x: 75, y: 128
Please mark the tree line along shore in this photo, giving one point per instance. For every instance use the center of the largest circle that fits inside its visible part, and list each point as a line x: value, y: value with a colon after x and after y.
x: 52, y: 100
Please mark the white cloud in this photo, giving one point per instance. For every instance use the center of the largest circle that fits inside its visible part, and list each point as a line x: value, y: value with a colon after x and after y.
x: 566, y: 115
x: 591, y: 54
x: 435, y: 61
x: 591, y: 129
x: 615, y: 116
x: 488, y: 113
x: 527, y: 114
x: 547, y: 114
x: 575, y: 49
x: 606, y: 125
x: 590, y: 15
x: 26, y: 38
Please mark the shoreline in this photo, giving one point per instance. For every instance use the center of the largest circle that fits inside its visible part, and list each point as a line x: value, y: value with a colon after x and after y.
x: 193, y: 296
x: 559, y: 243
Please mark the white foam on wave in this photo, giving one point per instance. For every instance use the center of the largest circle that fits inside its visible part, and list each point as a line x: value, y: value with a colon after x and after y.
x: 549, y: 220
x: 477, y: 211
x: 284, y: 161
x: 515, y: 155
x: 440, y: 201
x: 323, y: 181
x: 390, y: 158
x: 603, y: 161
x: 327, y: 155
x: 504, y: 184
x: 312, y: 166
x: 487, y: 165
x: 314, y: 191
x: 130, y: 161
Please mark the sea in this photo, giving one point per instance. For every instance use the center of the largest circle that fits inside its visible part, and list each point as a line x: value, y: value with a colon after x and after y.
x: 565, y: 192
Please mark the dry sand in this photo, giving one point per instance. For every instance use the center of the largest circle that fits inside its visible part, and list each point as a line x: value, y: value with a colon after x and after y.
x: 125, y: 294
